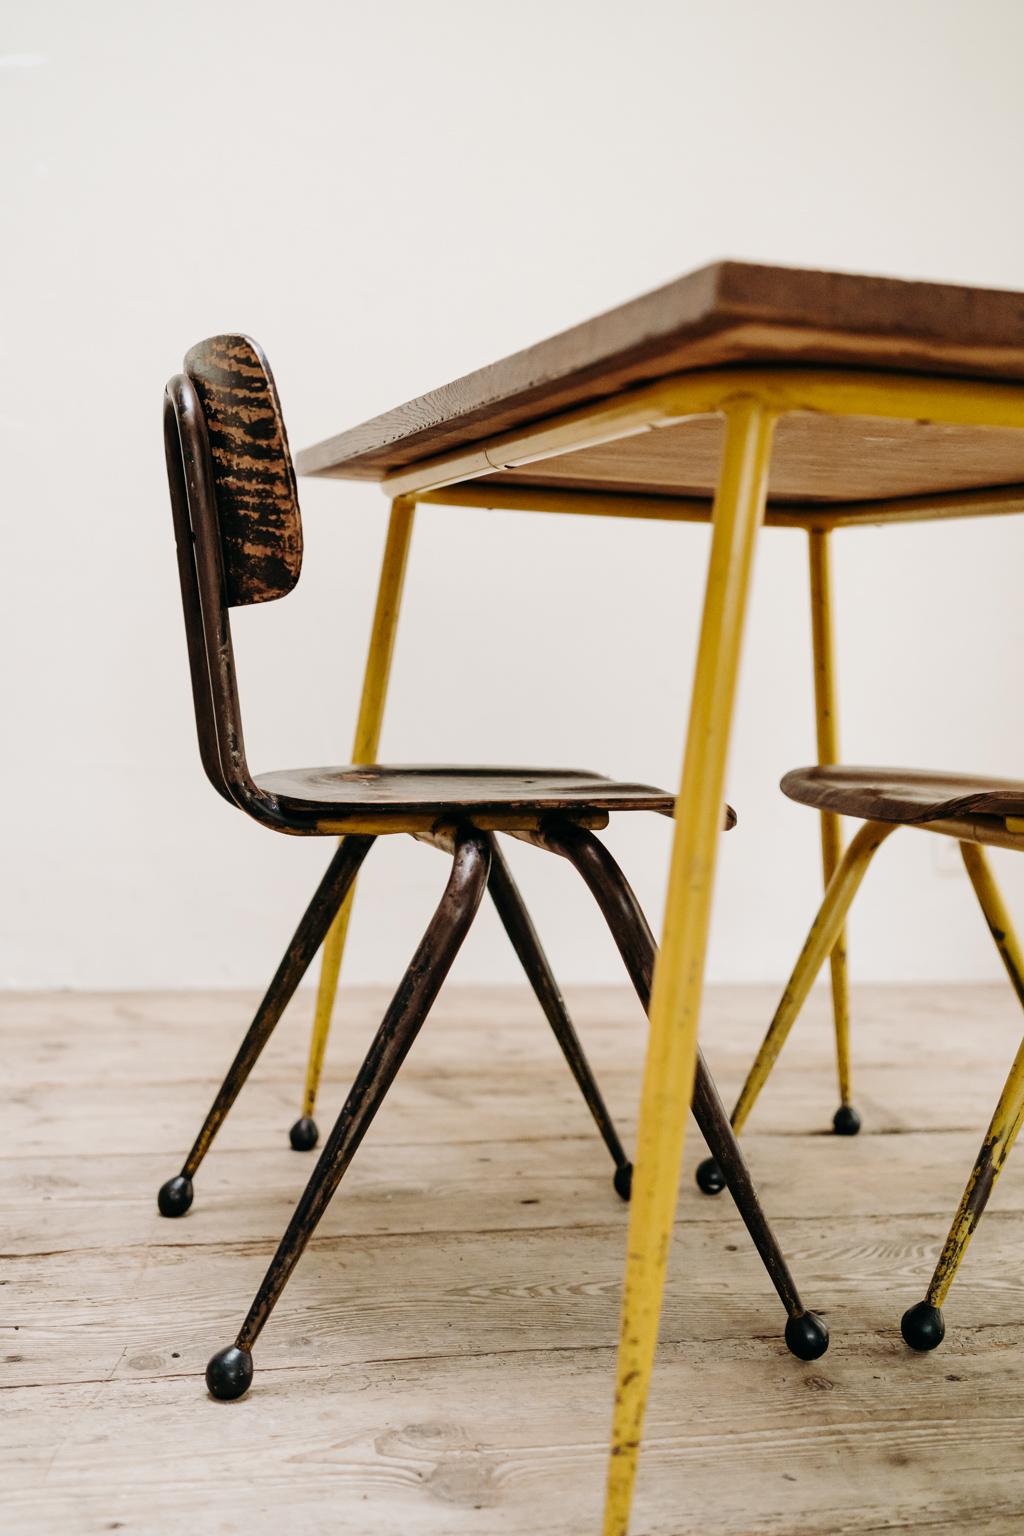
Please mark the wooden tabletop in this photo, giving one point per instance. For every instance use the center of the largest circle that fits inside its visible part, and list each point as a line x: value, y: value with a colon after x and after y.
x: 723, y: 315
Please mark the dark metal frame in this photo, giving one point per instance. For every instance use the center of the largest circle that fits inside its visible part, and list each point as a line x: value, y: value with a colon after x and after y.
x: 806, y: 1335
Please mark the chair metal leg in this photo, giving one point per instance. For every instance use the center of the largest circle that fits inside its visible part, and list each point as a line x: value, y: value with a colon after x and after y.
x: 364, y: 750
x: 230, y: 1371
x: 846, y: 1120
x: 923, y: 1326
x: 826, y: 927
x: 516, y: 920
x: 175, y: 1196
x: 806, y: 1334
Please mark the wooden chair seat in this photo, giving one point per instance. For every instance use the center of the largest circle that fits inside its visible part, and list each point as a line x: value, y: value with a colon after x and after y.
x: 903, y: 795
x: 431, y: 791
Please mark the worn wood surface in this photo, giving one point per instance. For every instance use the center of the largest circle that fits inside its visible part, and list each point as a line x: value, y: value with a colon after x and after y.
x: 815, y: 459
x: 432, y: 791
x: 257, y: 502
x: 729, y: 313
x: 906, y: 795
x: 442, y: 1361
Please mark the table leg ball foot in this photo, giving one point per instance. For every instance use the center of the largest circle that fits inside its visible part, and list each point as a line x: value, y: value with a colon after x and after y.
x: 922, y: 1326
x: 710, y: 1177
x: 229, y: 1373
x: 846, y: 1121
x: 304, y: 1135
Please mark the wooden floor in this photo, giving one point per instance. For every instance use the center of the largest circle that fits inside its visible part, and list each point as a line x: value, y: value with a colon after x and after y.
x: 442, y: 1361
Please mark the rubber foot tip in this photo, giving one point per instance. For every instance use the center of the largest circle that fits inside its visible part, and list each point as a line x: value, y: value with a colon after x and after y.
x: 304, y: 1134
x: 229, y: 1373
x: 922, y: 1326
x: 175, y: 1196
x: 710, y: 1177
x: 806, y: 1336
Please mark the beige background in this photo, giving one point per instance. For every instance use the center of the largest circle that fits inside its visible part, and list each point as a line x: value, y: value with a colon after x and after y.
x: 388, y: 195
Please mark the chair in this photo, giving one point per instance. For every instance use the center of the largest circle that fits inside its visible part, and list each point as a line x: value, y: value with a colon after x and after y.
x: 979, y: 812
x: 239, y: 541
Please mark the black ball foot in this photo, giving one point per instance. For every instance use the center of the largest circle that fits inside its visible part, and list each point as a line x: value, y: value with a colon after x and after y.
x: 303, y: 1134
x: 806, y: 1336
x: 922, y: 1326
x: 175, y: 1196
x: 846, y: 1121
x: 623, y: 1180
x: 710, y: 1177
x: 229, y: 1373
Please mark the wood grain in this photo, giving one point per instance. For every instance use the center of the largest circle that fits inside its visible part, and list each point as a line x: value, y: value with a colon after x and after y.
x: 499, y: 1445
x: 815, y: 460
x: 904, y: 795
x: 257, y: 501
x: 431, y: 792
x: 728, y: 313
x: 441, y: 1364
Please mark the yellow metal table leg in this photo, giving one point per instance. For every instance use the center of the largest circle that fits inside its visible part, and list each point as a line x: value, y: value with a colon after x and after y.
x: 846, y: 1120
x: 364, y: 750
x: 922, y: 1326
x: 678, y: 977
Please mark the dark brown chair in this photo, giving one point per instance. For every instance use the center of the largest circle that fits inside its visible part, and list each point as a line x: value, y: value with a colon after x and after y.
x: 979, y: 813
x: 239, y: 541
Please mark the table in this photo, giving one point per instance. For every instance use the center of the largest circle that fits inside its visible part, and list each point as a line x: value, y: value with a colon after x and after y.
x: 743, y: 395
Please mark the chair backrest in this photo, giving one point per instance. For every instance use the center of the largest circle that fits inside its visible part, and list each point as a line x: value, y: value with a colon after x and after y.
x: 254, y: 481
x: 238, y: 532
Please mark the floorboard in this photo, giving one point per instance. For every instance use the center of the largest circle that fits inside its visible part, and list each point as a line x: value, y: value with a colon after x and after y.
x: 441, y: 1363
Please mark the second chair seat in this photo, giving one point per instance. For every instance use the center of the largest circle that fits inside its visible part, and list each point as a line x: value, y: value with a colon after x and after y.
x: 904, y: 795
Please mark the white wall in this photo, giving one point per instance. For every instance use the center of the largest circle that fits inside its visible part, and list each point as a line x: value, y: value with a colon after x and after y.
x: 388, y: 195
